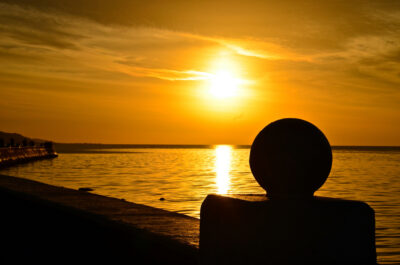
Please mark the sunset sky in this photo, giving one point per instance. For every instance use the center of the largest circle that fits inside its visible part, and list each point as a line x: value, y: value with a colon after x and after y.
x: 199, y: 72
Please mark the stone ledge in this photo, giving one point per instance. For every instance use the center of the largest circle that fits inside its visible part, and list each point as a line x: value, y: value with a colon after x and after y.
x: 253, y: 229
x: 106, y: 228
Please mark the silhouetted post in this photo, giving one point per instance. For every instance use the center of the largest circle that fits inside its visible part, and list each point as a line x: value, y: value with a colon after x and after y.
x: 1, y: 142
x: 290, y: 159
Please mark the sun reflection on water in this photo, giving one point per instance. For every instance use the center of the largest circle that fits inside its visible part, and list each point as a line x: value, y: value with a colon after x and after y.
x: 223, y: 154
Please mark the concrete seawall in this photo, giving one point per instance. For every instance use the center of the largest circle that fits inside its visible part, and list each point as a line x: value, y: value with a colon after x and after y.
x: 14, y: 155
x: 43, y: 224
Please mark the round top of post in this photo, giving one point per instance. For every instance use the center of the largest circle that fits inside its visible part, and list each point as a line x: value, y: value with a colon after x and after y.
x: 290, y: 158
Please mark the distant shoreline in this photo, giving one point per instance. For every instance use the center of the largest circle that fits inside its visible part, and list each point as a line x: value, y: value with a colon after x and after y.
x: 94, y: 148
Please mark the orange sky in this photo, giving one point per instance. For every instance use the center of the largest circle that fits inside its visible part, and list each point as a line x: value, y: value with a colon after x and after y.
x: 152, y: 71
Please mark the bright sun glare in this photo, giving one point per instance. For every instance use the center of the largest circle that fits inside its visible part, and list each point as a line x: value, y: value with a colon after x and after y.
x: 224, y: 85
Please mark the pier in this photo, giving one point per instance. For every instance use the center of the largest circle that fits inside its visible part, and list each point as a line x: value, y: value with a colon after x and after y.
x: 17, y: 155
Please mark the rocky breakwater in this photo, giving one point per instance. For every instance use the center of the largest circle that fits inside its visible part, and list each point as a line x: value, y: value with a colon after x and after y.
x: 15, y: 155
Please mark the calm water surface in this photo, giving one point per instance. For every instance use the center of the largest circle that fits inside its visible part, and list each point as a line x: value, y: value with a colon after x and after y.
x: 185, y: 176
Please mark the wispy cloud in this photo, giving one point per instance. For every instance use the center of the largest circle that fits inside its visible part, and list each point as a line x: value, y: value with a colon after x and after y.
x: 53, y: 43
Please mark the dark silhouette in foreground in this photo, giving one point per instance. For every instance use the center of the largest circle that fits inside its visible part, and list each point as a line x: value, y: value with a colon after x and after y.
x: 290, y: 159
x: 44, y: 224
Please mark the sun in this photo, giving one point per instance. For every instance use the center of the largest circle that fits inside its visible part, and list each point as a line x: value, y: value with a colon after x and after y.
x: 223, y: 84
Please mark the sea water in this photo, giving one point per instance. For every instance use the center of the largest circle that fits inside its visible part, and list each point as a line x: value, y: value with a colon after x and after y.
x: 178, y: 179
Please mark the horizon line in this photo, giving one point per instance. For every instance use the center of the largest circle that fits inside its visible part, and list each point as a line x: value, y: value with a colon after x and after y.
x: 209, y: 145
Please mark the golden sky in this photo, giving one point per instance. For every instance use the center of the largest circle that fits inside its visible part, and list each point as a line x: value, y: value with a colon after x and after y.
x: 199, y: 72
